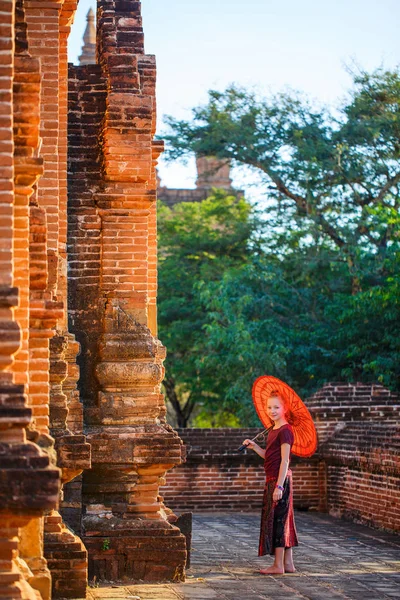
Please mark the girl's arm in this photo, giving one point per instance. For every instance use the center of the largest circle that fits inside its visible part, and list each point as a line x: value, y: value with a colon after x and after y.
x: 283, y: 469
x: 253, y: 446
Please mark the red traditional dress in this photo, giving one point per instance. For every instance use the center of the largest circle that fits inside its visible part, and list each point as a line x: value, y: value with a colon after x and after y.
x: 277, y: 529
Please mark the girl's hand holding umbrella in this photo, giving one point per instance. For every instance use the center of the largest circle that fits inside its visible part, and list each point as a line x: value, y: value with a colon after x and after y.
x: 248, y: 444
x: 251, y: 445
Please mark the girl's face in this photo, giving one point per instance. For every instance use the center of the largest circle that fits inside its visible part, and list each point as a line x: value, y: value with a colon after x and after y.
x: 275, y: 408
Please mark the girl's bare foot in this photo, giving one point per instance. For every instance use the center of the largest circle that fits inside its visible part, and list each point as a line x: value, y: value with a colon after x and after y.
x: 288, y: 561
x: 290, y: 569
x: 273, y: 570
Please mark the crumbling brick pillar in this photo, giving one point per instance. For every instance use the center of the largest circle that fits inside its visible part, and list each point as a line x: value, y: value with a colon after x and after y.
x: 51, y: 346
x: 112, y: 238
x: 25, y: 468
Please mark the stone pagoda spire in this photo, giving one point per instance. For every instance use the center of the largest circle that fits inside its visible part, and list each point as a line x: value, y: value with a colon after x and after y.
x: 88, y: 56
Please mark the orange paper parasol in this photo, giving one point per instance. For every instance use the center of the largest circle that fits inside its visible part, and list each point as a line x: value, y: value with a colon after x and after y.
x: 305, y: 436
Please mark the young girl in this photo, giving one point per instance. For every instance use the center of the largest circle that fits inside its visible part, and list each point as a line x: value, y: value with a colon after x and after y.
x: 278, y: 532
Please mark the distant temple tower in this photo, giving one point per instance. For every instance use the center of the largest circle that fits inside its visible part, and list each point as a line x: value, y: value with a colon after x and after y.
x: 212, y: 172
x: 88, y: 56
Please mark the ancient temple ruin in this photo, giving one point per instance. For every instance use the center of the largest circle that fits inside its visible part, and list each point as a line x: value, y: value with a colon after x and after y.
x: 82, y: 137
x: 212, y: 172
x: 112, y: 303
x: 88, y: 55
x: 84, y: 445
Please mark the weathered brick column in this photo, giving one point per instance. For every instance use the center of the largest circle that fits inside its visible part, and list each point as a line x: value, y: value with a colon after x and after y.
x: 112, y: 253
x: 24, y: 467
x: 51, y: 346
x: 26, y: 470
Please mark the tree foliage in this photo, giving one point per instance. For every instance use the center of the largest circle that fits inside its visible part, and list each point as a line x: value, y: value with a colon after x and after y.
x: 198, y: 241
x: 313, y: 294
x: 338, y: 173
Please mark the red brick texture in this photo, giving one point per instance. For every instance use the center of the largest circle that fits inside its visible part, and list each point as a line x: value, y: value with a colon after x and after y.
x: 361, y: 452
x: 112, y: 293
x: 50, y: 343
x: 37, y: 344
x: 216, y: 477
x: 25, y: 468
x: 354, y: 474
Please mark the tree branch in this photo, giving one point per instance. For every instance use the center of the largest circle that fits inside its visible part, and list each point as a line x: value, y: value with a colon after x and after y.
x: 169, y: 385
x: 188, y: 408
x: 302, y: 205
x: 182, y: 413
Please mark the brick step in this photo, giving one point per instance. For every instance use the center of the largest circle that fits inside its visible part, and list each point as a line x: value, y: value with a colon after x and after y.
x: 51, y: 546
x: 66, y: 564
x: 9, y: 577
x: 68, y: 556
x: 59, y: 537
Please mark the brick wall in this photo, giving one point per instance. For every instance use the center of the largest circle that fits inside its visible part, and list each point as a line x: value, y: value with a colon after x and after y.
x: 217, y: 477
x: 354, y: 474
x: 171, y: 196
x: 360, y: 433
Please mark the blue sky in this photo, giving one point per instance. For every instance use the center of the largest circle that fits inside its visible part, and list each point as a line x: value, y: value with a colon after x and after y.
x: 304, y: 45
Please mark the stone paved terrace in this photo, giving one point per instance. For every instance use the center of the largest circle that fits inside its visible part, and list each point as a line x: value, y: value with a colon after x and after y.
x: 336, y: 560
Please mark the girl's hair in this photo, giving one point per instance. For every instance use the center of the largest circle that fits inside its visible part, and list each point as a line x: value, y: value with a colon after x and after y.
x: 284, y: 400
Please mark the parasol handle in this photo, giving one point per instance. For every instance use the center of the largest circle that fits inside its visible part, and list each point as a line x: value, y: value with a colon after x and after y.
x: 244, y: 446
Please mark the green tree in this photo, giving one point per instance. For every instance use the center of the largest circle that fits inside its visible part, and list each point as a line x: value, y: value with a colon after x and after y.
x: 280, y: 306
x: 336, y: 173
x: 295, y: 318
x: 364, y: 343
x: 198, y: 242
x: 318, y: 298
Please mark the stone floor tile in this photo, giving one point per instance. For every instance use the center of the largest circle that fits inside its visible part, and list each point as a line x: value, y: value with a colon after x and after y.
x: 335, y: 560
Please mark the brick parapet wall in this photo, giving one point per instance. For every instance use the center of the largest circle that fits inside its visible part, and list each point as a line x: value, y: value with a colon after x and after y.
x: 363, y: 472
x: 338, y: 404
x: 217, y: 477
x: 359, y: 430
x: 370, y: 446
x: 355, y: 472
x: 172, y: 196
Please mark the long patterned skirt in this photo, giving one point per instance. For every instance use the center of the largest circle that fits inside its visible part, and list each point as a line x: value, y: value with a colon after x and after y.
x: 277, y: 529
